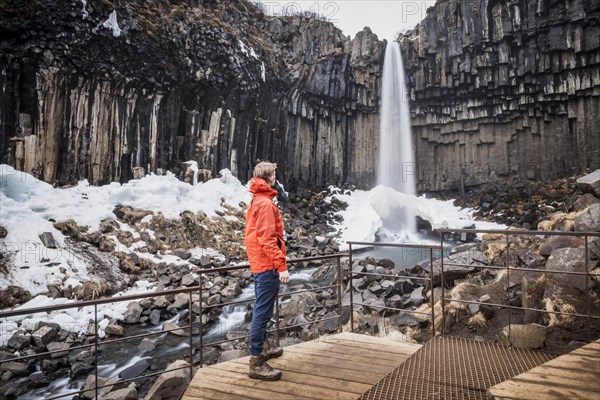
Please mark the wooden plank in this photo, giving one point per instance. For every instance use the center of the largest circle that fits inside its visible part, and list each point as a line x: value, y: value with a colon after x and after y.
x: 337, y: 349
x: 339, y: 367
x: 572, y: 376
x: 390, y: 350
x: 329, y: 352
x: 247, y: 392
x: 386, y: 341
x: 293, y: 376
x: 352, y: 362
x: 300, y: 366
x: 194, y: 392
x: 305, y: 389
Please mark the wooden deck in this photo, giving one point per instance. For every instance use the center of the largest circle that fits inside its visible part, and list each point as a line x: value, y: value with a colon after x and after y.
x: 341, y: 366
x: 572, y: 376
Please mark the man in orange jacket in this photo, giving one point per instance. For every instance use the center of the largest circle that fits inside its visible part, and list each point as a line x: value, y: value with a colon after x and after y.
x: 266, y: 251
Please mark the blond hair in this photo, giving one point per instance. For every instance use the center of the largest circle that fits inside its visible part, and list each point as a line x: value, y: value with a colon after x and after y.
x: 264, y: 170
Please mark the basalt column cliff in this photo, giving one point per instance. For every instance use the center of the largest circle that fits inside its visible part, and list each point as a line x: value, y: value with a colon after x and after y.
x: 108, y: 91
x: 505, y: 88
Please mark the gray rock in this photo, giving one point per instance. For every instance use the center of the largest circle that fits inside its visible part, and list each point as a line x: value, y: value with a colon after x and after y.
x: 465, y: 264
x: 559, y: 242
x: 61, y: 348
x: 48, y: 240
x: 181, y: 301
x: 154, y: 317
x: 568, y: 260
x: 5, y: 355
x: 146, y: 345
x: 183, y: 254
x: 115, y: 330
x: 231, y: 290
x: 590, y: 183
x: 133, y: 313
x: 80, y: 369
x: 188, y: 280
x: 161, y: 302
x: 589, y: 221
x: 89, y: 386
x: 176, y: 330
x: 19, y: 340
x: 330, y: 326
x: 17, y: 368
x: 171, y: 384
x: 164, y: 280
x: 585, y: 201
x: 531, y: 336
x: 135, y: 370
x: 128, y: 393
x: 44, y: 335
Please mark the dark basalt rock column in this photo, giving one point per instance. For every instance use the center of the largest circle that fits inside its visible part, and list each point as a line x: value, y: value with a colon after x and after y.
x: 218, y: 83
x: 507, y: 88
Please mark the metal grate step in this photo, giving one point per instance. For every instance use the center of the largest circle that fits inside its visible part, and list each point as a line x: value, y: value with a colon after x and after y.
x: 449, y: 368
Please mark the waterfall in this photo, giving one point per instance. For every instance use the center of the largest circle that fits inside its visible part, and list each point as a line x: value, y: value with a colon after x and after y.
x: 397, y: 166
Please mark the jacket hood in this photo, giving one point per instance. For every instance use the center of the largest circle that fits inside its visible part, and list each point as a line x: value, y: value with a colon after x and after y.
x: 260, y: 186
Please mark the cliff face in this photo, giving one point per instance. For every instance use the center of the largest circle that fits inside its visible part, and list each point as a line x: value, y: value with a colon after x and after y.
x: 498, y: 89
x: 505, y: 88
x: 217, y: 83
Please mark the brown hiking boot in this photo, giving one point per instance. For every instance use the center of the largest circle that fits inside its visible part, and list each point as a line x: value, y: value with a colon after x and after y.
x: 269, y: 351
x: 259, y: 369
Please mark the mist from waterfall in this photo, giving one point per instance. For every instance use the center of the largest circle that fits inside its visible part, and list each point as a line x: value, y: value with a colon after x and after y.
x: 397, y: 166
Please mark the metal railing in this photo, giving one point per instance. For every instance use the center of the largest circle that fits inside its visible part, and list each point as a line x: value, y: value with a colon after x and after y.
x: 96, y: 344
x: 337, y: 286
x: 508, y: 268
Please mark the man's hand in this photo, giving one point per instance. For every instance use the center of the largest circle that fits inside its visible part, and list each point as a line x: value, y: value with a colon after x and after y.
x: 284, y: 276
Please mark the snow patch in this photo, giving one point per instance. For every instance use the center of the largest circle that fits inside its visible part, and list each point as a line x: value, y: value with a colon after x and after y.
x: 111, y: 23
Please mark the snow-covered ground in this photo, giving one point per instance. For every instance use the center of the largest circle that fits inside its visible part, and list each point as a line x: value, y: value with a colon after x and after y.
x: 366, y: 210
x: 28, y: 205
x: 28, y: 208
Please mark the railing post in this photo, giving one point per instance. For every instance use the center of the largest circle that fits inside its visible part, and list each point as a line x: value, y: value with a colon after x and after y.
x: 339, y: 293
x: 191, y: 337
x: 443, y: 284
x: 432, y: 296
x: 200, y: 334
x: 351, y: 288
x: 96, y: 349
x: 276, y: 319
x: 507, y: 261
x: 587, y: 280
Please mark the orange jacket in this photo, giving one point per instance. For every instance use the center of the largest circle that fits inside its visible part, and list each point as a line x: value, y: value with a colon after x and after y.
x: 264, y: 230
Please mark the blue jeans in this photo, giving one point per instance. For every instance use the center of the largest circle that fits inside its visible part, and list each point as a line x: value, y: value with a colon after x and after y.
x: 266, y: 288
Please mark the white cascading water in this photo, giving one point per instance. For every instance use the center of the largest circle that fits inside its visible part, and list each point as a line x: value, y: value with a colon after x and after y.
x: 397, y: 166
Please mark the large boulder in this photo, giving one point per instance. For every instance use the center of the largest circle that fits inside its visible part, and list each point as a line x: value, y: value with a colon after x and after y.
x: 589, y: 221
x: 133, y: 313
x: 590, y: 183
x: 559, y: 242
x: 172, y: 384
x: 585, y: 201
x: 531, y: 336
x: 465, y: 263
x: 568, y: 260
